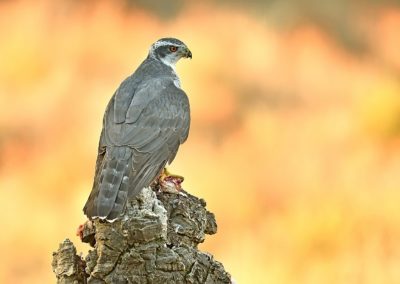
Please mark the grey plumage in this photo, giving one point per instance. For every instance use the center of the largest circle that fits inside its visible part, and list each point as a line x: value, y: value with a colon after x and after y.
x: 145, y: 121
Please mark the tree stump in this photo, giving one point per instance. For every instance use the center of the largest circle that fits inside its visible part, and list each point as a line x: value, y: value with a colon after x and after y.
x: 155, y: 241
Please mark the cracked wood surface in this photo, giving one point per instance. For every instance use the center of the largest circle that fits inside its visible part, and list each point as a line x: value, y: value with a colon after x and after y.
x: 154, y: 242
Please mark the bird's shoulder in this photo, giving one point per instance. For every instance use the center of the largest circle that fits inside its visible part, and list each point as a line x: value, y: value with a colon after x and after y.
x: 149, y: 81
x: 131, y: 99
x: 157, y: 104
x: 157, y: 93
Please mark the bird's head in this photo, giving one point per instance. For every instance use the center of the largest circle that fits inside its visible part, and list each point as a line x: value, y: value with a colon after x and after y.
x: 169, y: 51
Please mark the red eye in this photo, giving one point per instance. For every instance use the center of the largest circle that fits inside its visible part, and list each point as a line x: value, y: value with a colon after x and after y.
x: 173, y: 48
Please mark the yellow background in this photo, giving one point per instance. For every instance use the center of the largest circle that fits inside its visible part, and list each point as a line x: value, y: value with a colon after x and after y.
x: 294, y: 144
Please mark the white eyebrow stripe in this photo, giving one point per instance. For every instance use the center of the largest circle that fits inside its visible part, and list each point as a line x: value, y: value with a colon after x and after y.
x: 161, y: 43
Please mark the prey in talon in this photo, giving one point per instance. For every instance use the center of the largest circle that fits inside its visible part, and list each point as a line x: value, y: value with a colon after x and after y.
x: 168, y: 182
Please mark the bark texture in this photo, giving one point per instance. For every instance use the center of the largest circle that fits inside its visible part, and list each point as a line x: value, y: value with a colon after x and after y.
x: 154, y: 242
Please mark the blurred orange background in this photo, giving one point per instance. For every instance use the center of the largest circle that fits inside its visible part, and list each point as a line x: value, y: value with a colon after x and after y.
x: 295, y: 137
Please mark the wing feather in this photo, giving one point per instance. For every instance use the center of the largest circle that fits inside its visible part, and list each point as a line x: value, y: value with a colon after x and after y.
x: 156, y: 123
x: 145, y: 121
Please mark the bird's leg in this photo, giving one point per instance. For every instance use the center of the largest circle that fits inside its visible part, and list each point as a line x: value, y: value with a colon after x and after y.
x: 169, y: 182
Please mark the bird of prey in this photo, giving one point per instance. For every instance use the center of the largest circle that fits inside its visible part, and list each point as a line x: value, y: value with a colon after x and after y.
x: 144, y: 124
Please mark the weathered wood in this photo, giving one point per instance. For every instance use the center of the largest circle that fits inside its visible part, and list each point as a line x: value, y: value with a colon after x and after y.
x: 154, y: 242
x: 68, y: 267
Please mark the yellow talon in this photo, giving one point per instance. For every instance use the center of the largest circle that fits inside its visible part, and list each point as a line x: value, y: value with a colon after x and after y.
x: 169, y: 182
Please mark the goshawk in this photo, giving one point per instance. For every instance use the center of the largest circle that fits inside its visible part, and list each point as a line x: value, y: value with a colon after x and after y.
x: 145, y: 121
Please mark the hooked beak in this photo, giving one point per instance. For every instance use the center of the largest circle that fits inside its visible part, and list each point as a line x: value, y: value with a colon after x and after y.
x: 188, y: 53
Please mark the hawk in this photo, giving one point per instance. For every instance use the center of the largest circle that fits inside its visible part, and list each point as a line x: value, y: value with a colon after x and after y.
x: 144, y: 124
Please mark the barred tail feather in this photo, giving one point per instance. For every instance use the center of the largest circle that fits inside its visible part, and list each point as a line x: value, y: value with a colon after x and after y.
x: 110, y: 190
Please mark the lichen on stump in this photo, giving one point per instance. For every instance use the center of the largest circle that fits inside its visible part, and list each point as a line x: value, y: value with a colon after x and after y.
x: 155, y: 241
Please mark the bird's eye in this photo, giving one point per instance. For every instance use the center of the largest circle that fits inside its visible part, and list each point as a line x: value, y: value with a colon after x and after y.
x: 173, y: 48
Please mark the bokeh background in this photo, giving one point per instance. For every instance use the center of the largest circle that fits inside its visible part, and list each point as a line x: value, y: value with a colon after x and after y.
x: 295, y: 137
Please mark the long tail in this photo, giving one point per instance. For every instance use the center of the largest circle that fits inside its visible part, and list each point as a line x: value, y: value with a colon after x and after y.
x: 110, y: 188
